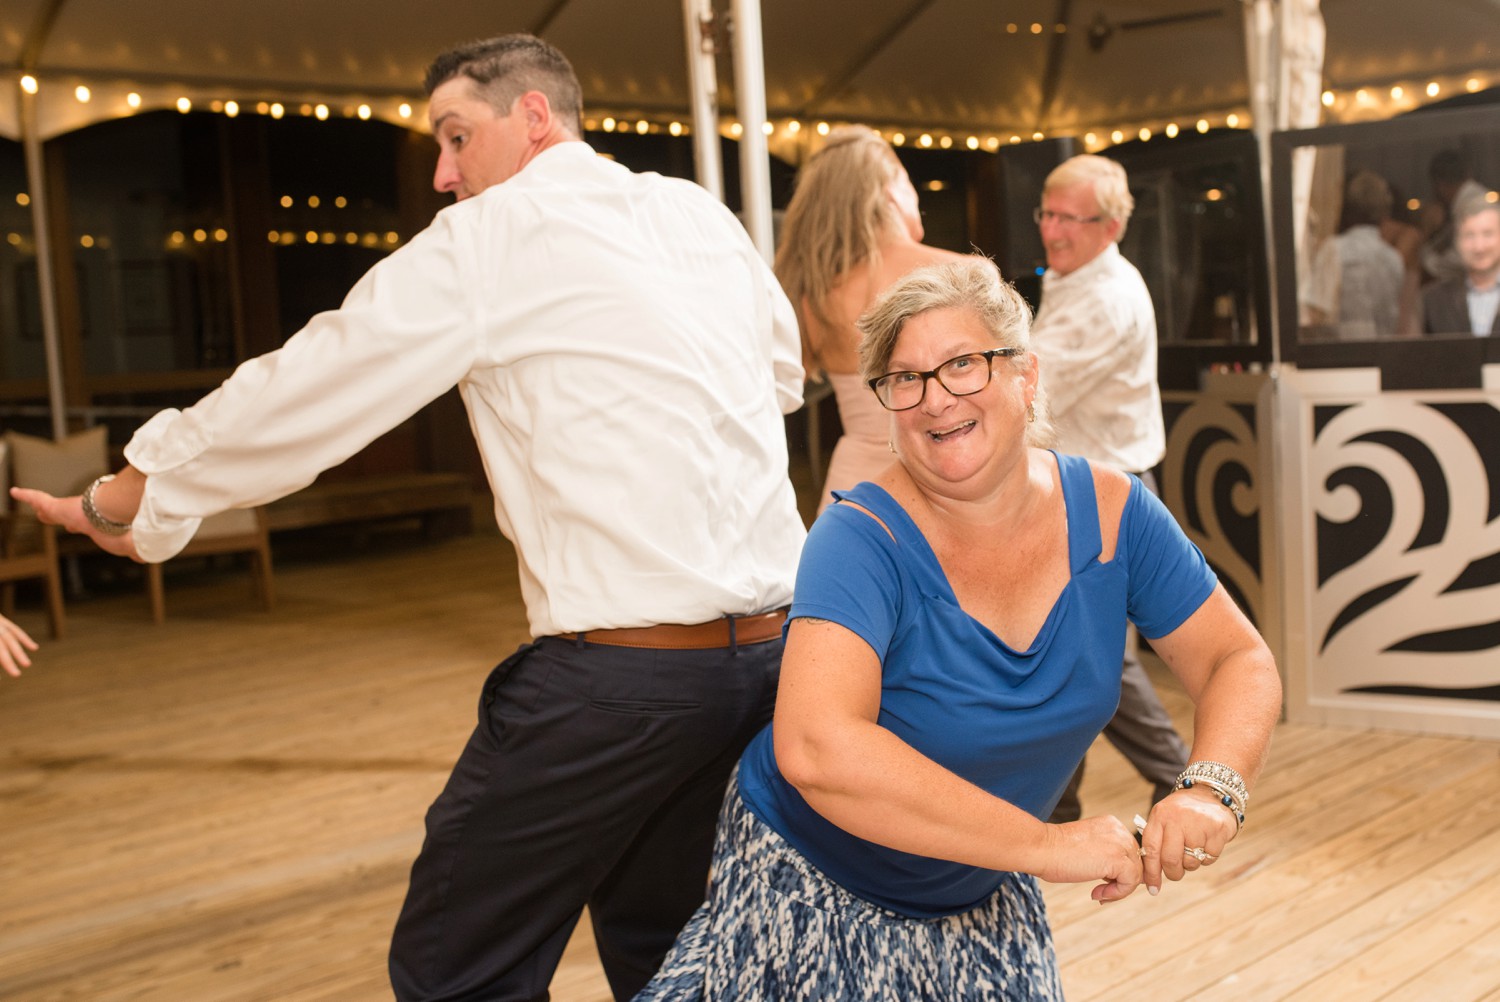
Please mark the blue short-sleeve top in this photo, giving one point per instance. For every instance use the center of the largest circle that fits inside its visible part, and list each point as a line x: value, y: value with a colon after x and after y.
x: 1015, y: 723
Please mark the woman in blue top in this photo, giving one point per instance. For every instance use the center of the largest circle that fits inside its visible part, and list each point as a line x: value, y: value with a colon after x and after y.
x: 953, y: 649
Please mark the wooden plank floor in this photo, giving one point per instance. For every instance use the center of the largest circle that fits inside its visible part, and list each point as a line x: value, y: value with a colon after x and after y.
x: 225, y: 808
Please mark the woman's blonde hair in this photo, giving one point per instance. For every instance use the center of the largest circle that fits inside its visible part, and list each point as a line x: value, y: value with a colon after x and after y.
x: 837, y: 215
x: 973, y: 284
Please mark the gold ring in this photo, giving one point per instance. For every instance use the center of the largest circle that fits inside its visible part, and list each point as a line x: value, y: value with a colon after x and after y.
x: 1201, y: 855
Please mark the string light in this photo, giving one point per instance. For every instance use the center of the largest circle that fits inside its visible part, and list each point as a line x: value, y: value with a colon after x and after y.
x: 1355, y: 103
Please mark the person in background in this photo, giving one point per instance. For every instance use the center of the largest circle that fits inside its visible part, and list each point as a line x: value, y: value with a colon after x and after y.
x: 954, y: 647
x: 1371, y: 273
x: 1095, y: 334
x: 14, y: 643
x: 1453, y: 185
x: 1469, y: 304
x: 852, y: 228
x: 626, y: 358
x: 1405, y: 237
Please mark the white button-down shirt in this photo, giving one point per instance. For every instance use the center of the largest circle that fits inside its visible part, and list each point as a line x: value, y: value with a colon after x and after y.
x: 1095, y: 334
x: 625, y: 356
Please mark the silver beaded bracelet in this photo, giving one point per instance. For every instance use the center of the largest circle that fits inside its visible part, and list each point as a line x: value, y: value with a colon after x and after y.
x: 1224, y: 781
x: 91, y: 512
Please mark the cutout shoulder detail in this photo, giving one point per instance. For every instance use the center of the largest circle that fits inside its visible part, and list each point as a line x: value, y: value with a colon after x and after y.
x: 856, y: 506
x: 1112, y: 489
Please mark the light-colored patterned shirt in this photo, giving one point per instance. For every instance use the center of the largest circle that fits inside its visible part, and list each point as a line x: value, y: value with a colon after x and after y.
x: 1096, y: 337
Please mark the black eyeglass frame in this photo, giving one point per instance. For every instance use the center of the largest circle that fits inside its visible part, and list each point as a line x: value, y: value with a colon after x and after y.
x: 989, y: 374
x: 1063, y: 218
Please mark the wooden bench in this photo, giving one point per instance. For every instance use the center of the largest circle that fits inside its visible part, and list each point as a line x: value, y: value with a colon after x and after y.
x: 444, y: 502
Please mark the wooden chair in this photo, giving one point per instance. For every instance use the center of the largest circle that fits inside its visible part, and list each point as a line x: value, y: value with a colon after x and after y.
x: 26, y: 556
x: 19, y: 565
x: 236, y: 531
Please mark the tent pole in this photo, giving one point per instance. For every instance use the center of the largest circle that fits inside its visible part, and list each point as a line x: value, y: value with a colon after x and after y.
x: 1260, y: 18
x: 703, y: 81
x: 46, y: 281
x: 750, y: 98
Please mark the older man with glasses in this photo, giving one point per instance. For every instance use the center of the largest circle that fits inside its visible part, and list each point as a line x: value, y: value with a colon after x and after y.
x: 1095, y: 336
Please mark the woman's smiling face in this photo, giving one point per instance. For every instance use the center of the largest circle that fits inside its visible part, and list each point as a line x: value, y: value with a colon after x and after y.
x: 949, y: 439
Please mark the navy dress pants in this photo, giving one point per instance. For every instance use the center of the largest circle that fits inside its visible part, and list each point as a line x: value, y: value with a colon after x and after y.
x: 594, y: 777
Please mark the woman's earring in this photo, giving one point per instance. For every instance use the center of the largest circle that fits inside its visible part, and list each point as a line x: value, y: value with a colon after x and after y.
x: 891, y: 444
x: 1031, y: 413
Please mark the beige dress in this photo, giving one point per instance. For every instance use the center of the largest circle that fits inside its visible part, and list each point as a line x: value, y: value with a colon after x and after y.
x: 864, y: 449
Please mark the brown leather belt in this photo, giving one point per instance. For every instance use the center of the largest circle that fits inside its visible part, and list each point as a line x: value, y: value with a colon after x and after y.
x: 727, y: 632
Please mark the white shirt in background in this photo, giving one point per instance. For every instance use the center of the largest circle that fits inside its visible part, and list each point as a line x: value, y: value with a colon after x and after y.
x: 1095, y: 334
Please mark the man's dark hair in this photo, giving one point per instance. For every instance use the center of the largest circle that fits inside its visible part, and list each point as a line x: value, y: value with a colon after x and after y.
x: 506, y: 67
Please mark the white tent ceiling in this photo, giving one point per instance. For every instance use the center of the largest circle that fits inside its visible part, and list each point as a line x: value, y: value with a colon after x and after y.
x: 959, y: 65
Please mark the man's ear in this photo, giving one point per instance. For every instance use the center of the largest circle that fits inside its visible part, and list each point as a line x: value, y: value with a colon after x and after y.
x: 538, y: 113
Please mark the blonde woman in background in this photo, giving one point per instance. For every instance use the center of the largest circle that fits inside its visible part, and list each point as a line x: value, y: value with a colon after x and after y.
x: 853, y: 228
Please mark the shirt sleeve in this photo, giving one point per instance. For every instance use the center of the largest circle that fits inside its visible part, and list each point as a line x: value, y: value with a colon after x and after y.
x: 848, y: 575
x: 786, y: 347
x: 408, y: 331
x: 1169, y: 577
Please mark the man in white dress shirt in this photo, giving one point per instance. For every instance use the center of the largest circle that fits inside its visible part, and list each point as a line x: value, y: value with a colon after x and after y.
x: 1095, y: 334
x: 625, y: 356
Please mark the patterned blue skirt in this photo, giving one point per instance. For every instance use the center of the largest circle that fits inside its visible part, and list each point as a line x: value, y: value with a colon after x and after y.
x: 775, y: 928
